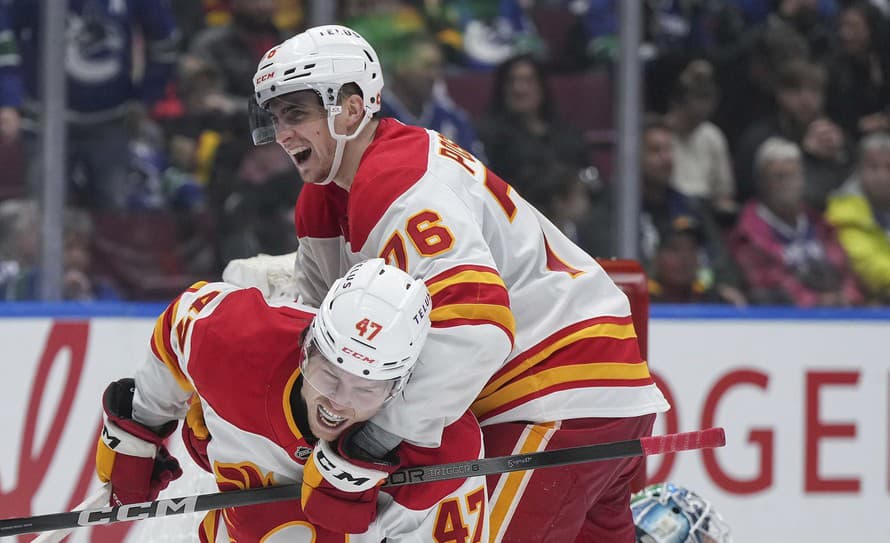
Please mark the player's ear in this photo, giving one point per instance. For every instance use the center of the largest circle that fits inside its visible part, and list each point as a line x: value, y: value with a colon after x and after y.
x: 355, y: 107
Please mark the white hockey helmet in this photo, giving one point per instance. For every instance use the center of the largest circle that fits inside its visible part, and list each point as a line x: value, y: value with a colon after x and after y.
x: 373, y: 323
x: 667, y: 513
x: 321, y: 59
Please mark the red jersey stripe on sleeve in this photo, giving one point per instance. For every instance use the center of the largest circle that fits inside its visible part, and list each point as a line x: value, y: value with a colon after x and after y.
x: 471, y: 295
x: 163, y: 348
x: 599, y: 327
x: 474, y: 314
x: 446, y: 276
x: 464, y: 275
x: 531, y: 388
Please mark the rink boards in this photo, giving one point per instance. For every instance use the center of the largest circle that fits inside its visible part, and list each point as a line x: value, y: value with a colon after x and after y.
x: 804, y: 398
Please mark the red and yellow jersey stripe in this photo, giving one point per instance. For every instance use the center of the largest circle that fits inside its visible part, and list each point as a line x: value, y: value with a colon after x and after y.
x: 162, y: 339
x: 471, y: 294
x: 598, y: 352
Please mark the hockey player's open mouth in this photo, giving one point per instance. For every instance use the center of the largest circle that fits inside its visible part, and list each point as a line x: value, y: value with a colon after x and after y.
x: 329, y: 419
x: 302, y: 156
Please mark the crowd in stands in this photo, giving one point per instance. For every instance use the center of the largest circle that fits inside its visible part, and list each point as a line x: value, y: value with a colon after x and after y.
x: 764, y: 155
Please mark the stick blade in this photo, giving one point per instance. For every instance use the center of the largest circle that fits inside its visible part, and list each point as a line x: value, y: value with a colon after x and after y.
x: 686, y: 441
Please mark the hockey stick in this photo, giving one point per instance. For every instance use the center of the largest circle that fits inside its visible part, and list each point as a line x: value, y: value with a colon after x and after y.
x: 712, y: 437
x: 100, y: 497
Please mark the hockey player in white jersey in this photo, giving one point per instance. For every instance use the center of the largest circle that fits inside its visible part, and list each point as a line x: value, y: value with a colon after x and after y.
x: 280, y: 386
x: 526, y: 327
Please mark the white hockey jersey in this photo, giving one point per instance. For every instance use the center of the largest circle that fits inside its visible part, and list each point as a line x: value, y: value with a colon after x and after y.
x: 241, y: 357
x: 526, y: 325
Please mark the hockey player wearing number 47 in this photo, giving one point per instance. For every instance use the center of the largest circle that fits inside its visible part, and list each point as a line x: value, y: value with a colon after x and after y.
x: 280, y: 386
x: 526, y: 327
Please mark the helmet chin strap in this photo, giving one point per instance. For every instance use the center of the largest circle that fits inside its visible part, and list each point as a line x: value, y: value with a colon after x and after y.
x: 333, y: 111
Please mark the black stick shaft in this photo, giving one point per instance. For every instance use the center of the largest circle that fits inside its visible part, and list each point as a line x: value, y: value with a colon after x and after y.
x: 516, y: 462
x: 712, y: 437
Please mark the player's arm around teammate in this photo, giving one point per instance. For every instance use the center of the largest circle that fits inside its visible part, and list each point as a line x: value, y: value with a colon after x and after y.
x: 279, y: 387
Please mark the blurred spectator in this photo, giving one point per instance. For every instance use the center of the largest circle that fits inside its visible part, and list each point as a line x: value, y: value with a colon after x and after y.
x: 860, y: 211
x: 522, y: 132
x: 254, y: 194
x: 757, y: 11
x: 209, y: 135
x: 748, y: 77
x: 196, y: 119
x: 155, y: 184
x: 664, y: 210
x: 675, y: 271
x: 190, y: 19
x: 807, y: 18
x: 289, y: 16
x: 483, y: 34
x: 787, y: 252
x: 384, y: 23
x: 565, y: 195
x: 235, y: 48
x: 702, y: 166
x: 671, y: 27
x: 104, y: 102
x: 800, y: 118
x: 20, y: 255
x: 416, y: 94
x: 859, y: 71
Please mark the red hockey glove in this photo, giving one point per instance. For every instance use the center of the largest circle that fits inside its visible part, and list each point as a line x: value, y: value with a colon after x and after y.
x: 196, y: 436
x: 129, y: 455
x: 340, y: 485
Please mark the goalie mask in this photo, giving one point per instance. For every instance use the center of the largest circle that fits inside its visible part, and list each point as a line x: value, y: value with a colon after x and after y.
x: 321, y: 59
x: 367, y: 335
x: 666, y: 513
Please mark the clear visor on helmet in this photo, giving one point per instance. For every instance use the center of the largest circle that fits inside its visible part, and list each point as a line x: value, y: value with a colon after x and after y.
x: 262, y: 125
x: 286, y: 110
x: 341, y: 387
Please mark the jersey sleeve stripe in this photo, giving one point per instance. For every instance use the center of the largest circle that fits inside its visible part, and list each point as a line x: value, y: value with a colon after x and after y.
x: 451, y: 272
x: 163, y: 348
x: 472, y: 322
x: 609, y: 327
x: 485, y: 415
x: 465, y: 277
x: 197, y: 286
x: 472, y: 293
x: 498, y: 315
x: 596, y: 374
